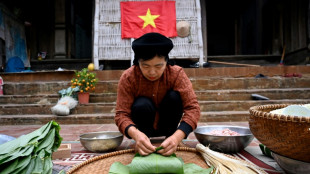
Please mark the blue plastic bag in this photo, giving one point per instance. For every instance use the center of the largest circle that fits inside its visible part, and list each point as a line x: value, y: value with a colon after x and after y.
x: 5, y: 138
x: 14, y: 64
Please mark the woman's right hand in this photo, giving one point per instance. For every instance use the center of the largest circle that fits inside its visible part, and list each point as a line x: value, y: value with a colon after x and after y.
x: 143, y: 144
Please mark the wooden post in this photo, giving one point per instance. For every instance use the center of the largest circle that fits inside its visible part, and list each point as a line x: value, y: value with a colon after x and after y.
x: 60, y: 29
x: 229, y: 63
x: 95, y: 56
x: 200, y: 46
x: 204, y: 28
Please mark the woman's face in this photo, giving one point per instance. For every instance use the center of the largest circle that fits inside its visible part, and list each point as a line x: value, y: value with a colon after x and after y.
x: 152, y: 69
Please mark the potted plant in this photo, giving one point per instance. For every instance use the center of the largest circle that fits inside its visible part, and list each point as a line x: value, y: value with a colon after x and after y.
x: 86, y: 81
x: 70, y: 91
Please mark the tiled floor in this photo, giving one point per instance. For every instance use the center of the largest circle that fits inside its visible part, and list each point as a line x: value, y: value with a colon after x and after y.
x: 71, y: 133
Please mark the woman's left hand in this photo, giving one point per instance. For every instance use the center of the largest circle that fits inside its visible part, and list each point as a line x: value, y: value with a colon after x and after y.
x: 171, y: 143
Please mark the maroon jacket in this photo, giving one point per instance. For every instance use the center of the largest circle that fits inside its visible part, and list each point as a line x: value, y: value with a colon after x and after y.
x: 133, y: 84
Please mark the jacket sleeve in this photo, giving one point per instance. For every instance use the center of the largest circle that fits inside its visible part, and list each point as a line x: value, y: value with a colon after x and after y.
x: 191, y: 107
x: 125, y: 98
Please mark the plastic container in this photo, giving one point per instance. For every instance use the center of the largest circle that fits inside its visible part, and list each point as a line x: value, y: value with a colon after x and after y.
x: 1, y: 86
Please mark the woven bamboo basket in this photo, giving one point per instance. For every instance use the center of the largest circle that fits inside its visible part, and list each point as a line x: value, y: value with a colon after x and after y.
x: 286, y: 135
x: 101, y: 164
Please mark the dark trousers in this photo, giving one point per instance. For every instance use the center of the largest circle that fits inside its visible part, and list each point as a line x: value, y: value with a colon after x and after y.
x: 170, y: 111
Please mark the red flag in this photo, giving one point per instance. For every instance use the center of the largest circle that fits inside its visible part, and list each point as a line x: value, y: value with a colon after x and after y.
x: 140, y: 17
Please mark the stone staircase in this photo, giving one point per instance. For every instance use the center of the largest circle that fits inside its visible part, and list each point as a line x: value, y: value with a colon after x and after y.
x: 224, y: 94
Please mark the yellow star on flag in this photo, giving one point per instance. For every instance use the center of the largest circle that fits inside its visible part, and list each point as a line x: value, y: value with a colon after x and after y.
x: 149, y: 19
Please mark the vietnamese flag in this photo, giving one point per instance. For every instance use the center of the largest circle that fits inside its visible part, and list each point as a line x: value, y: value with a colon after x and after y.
x: 140, y: 17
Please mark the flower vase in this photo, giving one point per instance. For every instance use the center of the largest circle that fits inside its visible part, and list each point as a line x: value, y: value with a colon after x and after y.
x: 83, y: 97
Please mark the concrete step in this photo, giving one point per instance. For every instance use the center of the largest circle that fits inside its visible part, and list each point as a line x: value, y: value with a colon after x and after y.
x: 97, y: 108
x: 67, y: 75
x: 245, y: 105
x: 206, y: 95
x: 52, y: 98
x: 224, y: 94
x: 245, y: 94
x: 29, y: 99
x: 27, y: 88
x: 108, y: 118
x: 250, y: 83
x: 32, y: 119
x: 39, y: 87
x: 33, y: 109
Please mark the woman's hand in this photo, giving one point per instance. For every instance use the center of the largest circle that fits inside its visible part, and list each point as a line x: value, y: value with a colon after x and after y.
x: 171, y: 143
x: 143, y: 144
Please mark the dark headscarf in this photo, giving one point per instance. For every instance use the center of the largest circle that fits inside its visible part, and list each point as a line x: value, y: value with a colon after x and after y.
x: 150, y: 45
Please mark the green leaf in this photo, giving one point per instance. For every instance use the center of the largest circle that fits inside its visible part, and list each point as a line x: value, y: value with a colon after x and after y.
x: 47, y: 142
x: 48, y: 165
x: 156, y: 163
x: 265, y: 150
x: 62, y: 92
x: 58, y: 138
x: 23, y: 140
x: 68, y: 90
x: 62, y: 172
x: 30, y: 167
x: 39, y: 144
x: 39, y: 161
x: 159, y: 148
x: 26, y: 151
x: 9, y: 167
x: 118, y: 168
x: 17, y: 165
x: 191, y: 168
x: 22, y: 164
x: 4, y: 157
x: 76, y: 89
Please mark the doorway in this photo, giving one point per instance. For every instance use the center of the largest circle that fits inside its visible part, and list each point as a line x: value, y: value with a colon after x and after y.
x: 233, y: 27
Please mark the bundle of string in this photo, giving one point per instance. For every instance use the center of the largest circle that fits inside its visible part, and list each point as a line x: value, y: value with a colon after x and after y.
x: 224, y: 164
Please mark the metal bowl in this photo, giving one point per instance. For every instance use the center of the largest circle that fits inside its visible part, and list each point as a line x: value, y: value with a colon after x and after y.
x: 291, y: 166
x: 225, y: 144
x: 101, y: 141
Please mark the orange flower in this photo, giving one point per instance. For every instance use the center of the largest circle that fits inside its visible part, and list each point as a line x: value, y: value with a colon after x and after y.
x: 84, y: 79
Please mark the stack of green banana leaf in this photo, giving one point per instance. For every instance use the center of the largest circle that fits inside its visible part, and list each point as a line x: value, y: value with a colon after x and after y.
x: 31, y: 153
x: 156, y: 163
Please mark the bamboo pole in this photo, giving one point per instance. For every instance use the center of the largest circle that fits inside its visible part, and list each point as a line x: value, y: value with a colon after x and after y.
x: 198, y: 9
x: 229, y: 63
x: 96, y: 36
x: 132, y: 54
x: 283, y: 54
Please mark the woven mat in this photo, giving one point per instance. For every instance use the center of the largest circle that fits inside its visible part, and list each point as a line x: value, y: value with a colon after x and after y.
x: 101, y: 164
x: 251, y: 154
